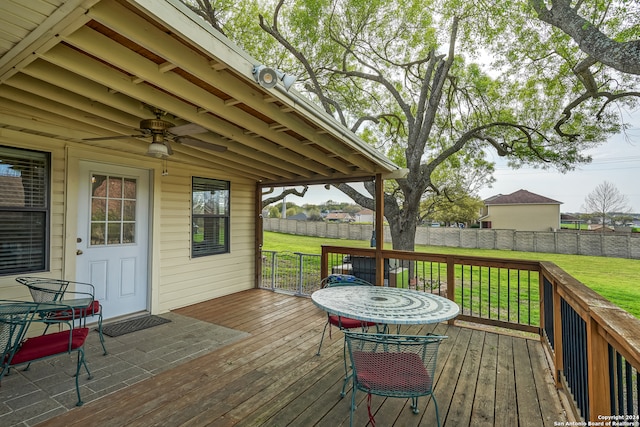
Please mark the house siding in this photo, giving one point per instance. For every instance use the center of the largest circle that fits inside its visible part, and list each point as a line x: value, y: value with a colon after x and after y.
x: 9, y: 138
x: 526, y: 217
x: 184, y: 280
x: 177, y: 280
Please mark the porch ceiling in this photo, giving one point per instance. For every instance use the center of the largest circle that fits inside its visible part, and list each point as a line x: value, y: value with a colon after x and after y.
x: 81, y: 69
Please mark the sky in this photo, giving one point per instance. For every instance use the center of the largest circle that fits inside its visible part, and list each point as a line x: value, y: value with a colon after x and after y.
x: 617, y: 161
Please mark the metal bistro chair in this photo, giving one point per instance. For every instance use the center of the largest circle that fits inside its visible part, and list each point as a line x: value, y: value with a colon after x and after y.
x: 340, y: 321
x: 393, y: 366
x: 52, y: 290
x: 15, y: 318
x: 343, y: 323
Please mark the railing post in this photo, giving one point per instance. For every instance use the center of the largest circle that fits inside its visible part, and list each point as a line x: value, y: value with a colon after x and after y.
x: 557, y: 336
x: 300, y: 272
x: 273, y: 271
x: 451, y: 281
x: 598, y: 371
x: 324, y: 263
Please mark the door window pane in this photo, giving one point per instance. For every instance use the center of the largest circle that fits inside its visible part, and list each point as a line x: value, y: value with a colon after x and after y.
x: 98, y: 233
x: 113, y: 210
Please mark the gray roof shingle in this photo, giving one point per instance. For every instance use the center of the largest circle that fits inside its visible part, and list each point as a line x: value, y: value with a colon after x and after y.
x: 520, y: 197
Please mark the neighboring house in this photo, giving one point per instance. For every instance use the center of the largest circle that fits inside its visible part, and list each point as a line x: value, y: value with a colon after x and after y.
x: 365, y: 215
x: 167, y: 217
x: 522, y: 211
x: 298, y: 217
x: 339, y: 217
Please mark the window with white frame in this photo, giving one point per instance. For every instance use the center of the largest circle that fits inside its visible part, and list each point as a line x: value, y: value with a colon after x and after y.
x: 24, y: 211
x: 210, y: 217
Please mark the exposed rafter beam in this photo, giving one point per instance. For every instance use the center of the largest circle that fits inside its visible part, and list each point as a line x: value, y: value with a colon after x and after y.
x: 109, y: 77
x: 70, y: 124
x: 70, y: 16
x: 125, y: 59
x: 147, y: 35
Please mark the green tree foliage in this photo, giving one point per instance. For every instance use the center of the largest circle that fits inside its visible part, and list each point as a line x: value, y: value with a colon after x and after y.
x: 438, y: 84
x: 402, y: 75
x: 275, y: 211
x: 464, y: 209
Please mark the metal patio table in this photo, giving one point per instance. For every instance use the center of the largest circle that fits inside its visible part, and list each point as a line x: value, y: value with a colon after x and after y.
x: 384, y: 305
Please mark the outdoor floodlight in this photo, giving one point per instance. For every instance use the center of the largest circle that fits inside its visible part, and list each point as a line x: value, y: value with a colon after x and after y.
x: 268, y: 77
x: 286, y: 79
x: 265, y: 76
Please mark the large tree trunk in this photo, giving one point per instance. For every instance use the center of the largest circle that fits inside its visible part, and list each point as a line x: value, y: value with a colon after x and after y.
x: 403, y: 230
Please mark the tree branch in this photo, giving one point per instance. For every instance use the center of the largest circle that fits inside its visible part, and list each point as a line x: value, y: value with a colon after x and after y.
x: 622, y: 56
x: 286, y: 192
x: 317, y: 88
x: 567, y: 112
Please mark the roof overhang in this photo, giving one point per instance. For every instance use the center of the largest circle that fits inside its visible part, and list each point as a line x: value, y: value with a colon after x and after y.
x: 95, y: 68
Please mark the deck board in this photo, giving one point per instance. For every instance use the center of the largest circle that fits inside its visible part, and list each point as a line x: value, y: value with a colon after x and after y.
x: 482, y: 413
x: 274, y: 378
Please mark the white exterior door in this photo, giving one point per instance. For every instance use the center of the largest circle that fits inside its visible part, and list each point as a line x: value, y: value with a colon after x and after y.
x: 113, y: 236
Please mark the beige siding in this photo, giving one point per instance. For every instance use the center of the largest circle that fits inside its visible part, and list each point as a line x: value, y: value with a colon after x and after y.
x: 9, y: 288
x: 526, y: 217
x: 184, y: 280
x: 176, y: 279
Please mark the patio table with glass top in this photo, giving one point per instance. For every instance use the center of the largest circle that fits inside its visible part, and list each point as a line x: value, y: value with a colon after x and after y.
x: 384, y: 305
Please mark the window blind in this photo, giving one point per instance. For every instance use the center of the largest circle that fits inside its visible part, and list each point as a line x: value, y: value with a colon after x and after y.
x: 24, y: 210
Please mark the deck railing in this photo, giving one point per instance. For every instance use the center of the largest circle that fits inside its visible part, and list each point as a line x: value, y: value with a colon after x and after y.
x: 595, y: 348
x: 491, y: 291
x: 294, y: 272
x: 593, y: 345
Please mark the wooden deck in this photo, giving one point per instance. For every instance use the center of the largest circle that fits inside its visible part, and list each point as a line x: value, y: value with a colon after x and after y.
x: 274, y: 378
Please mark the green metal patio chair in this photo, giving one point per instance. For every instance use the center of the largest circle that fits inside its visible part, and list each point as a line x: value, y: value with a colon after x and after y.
x: 340, y: 321
x: 393, y: 366
x: 51, y: 290
x: 343, y: 323
x: 15, y: 319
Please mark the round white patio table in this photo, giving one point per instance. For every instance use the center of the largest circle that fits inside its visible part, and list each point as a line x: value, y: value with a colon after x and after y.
x: 383, y: 305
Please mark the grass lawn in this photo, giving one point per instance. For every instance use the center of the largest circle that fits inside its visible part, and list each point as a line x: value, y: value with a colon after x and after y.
x: 616, y: 279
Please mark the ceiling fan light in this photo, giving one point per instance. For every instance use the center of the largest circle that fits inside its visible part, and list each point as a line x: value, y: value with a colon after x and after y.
x: 157, y: 150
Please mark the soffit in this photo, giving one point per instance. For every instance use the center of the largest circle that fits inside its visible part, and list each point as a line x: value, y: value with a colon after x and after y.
x: 81, y: 69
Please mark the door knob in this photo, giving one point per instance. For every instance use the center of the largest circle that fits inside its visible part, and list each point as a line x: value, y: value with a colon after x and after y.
x: 79, y: 252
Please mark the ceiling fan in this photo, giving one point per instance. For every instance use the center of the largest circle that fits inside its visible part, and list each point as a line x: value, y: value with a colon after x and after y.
x: 163, y: 132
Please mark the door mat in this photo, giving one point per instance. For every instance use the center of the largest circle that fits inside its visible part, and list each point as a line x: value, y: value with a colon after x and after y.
x: 133, y: 325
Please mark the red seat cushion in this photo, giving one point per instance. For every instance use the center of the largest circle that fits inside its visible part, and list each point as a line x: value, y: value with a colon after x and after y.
x: 92, y: 309
x: 48, y: 345
x: 348, y: 323
x: 389, y: 372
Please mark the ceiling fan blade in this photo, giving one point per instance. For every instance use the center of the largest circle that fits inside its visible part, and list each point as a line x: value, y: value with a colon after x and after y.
x: 104, y: 138
x: 192, y: 142
x: 188, y: 129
